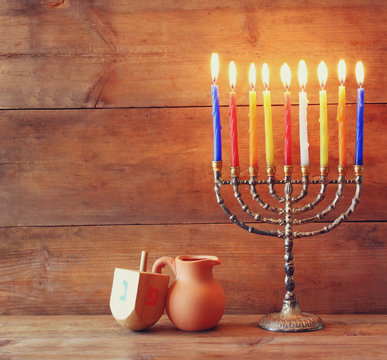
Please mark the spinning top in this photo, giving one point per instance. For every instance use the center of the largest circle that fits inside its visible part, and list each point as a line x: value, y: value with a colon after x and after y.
x: 137, y: 299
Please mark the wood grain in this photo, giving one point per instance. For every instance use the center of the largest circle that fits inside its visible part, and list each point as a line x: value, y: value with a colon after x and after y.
x: 69, y: 270
x: 106, y: 120
x: 84, y: 167
x: 75, y: 54
x: 94, y: 337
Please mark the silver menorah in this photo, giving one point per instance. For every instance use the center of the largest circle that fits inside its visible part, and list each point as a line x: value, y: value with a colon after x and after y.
x: 290, y: 319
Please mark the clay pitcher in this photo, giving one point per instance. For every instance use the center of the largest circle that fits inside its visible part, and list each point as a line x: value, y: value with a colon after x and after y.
x: 195, y: 301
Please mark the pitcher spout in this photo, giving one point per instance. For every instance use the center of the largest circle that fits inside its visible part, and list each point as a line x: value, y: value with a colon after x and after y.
x: 202, y: 259
x: 213, y: 260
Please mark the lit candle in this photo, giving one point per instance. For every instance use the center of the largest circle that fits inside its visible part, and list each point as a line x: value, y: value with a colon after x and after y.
x: 359, y: 114
x: 233, y: 118
x: 341, y: 114
x: 285, y: 77
x: 303, y: 100
x: 268, y: 119
x: 322, y: 76
x: 215, y: 108
x: 253, y: 117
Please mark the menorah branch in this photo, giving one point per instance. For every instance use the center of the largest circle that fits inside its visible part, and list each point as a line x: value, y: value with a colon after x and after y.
x: 305, y: 171
x: 304, y: 190
x: 329, y: 208
x: 245, y: 208
x: 257, y: 198
x: 217, y: 167
x: 341, y: 218
x: 320, y: 197
x: 271, y: 181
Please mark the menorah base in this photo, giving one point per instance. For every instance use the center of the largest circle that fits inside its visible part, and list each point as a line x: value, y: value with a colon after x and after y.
x: 291, y: 319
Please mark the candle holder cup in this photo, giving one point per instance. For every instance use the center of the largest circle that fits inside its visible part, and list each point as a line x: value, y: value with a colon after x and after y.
x: 290, y: 319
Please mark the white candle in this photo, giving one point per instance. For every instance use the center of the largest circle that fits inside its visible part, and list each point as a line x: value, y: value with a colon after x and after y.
x: 303, y: 101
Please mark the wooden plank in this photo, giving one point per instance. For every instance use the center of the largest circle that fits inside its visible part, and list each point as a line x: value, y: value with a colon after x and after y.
x: 96, y: 337
x: 72, y: 54
x: 153, y: 165
x: 69, y: 270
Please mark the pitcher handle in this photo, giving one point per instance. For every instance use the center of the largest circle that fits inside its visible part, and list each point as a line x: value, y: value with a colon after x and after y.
x: 161, y: 262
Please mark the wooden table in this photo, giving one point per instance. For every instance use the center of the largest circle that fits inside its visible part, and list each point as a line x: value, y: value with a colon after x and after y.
x: 100, y: 337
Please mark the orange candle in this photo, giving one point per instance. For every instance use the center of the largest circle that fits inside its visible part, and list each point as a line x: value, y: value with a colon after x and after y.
x: 322, y: 72
x: 341, y: 115
x: 253, y: 118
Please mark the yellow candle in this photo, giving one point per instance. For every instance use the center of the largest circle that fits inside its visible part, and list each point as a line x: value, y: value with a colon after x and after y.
x: 323, y: 75
x: 268, y: 120
x: 341, y: 115
x: 253, y: 118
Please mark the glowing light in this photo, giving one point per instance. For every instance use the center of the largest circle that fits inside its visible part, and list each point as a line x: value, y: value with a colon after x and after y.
x: 360, y: 73
x: 265, y: 76
x: 342, y: 71
x: 285, y: 75
x: 232, y: 75
x: 214, y: 67
x: 302, y: 74
x: 252, y: 76
x: 322, y: 72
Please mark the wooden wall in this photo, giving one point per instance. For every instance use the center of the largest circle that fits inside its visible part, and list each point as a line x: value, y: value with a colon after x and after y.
x: 106, y: 147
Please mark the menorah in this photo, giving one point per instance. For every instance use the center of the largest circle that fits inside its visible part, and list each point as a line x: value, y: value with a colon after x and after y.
x: 290, y: 319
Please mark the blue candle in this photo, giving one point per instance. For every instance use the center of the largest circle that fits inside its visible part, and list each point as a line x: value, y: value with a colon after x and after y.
x: 359, y: 114
x: 215, y: 109
x: 216, y: 124
x: 359, y: 127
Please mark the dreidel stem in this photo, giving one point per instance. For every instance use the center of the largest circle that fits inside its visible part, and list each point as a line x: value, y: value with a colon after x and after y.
x: 144, y: 260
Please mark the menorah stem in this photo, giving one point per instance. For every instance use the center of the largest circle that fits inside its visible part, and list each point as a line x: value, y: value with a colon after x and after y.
x: 290, y: 319
x: 288, y: 238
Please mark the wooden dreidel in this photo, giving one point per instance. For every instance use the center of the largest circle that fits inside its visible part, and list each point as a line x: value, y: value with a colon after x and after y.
x: 137, y: 299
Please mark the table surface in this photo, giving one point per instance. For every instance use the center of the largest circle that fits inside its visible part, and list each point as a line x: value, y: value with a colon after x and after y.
x: 100, y: 337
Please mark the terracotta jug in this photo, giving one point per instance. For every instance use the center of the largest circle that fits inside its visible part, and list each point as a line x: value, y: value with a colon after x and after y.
x: 195, y: 300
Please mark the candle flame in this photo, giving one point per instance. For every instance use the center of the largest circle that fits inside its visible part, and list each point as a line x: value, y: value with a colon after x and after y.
x: 214, y: 67
x: 285, y: 75
x: 265, y: 76
x: 252, y: 76
x: 360, y: 73
x: 302, y: 74
x: 322, y: 72
x: 342, y: 70
x: 232, y: 75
